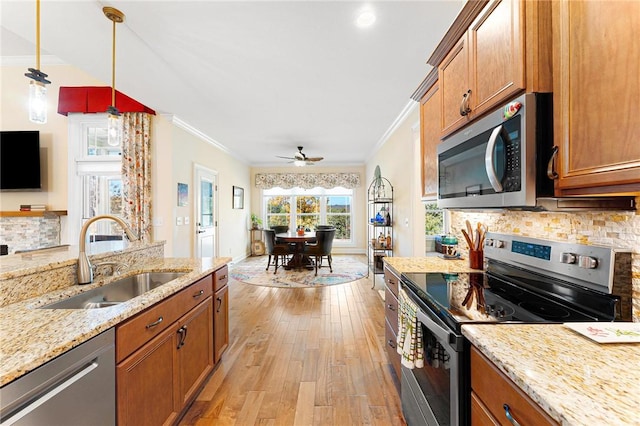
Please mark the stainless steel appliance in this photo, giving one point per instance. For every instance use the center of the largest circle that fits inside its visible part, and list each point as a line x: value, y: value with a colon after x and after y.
x: 505, y: 160
x: 526, y: 280
x: 76, y: 388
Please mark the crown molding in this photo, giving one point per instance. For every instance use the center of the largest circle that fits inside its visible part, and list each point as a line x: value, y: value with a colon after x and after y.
x: 197, y: 133
x: 408, y: 109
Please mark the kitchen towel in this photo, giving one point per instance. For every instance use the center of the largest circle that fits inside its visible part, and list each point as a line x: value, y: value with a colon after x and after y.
x: 409, y: 333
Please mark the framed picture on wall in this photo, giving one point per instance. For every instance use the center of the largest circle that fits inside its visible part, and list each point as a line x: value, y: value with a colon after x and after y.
x: 238, y: 197
x: 183, y: 194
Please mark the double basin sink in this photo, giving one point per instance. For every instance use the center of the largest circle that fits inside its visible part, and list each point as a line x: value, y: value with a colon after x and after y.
x: 117, y: 291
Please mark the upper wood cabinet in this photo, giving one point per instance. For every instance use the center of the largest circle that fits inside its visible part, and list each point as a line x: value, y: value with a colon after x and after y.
x: 429, y: 139
x: 596, y: 69
x: 488, y: 65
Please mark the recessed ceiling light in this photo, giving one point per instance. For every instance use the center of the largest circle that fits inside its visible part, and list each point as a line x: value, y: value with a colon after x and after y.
x: 365, y: 18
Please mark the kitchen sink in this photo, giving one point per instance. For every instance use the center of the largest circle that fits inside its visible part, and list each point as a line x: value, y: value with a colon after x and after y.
x: 116, y: 292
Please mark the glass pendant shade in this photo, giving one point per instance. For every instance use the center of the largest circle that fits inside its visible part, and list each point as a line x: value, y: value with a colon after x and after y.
x: 37, y: 102
x: 114, y: 127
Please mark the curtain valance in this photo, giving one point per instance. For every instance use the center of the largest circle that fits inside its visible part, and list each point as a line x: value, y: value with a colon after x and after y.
x: 307, y: 180
x: 91, y: 99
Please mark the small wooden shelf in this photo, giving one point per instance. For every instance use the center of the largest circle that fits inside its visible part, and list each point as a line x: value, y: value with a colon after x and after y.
x: 34, y: 213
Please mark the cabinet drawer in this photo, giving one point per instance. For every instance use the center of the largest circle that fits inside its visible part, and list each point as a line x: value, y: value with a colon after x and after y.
x: 391, y: 280
x: 191, y: 296
x: 391, y: 309
x: 391, y: 345
x: 136, y: 331
x: 494, y: 390
x: 220, y: 278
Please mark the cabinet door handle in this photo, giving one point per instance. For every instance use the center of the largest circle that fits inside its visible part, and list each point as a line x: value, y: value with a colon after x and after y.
x: 198, y: 294
x: 224, y: 277
x: 184, y: 335
x: 551, y: 172
x: 180, y: 332
x: 153, y: 324
x: 464, y: 105
x: 390, y: 306
x: 507, y: 413
x: 390, y: 342
x: 219, y: 304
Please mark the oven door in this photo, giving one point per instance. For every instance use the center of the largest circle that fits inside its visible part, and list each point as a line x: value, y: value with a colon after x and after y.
x: 435, y: 394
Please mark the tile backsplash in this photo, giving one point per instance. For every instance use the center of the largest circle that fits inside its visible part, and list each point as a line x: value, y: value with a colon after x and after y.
x: 25, y: 233
x: 614, y: 229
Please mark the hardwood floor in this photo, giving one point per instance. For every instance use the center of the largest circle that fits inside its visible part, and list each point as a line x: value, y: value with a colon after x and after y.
x: 308, y: 356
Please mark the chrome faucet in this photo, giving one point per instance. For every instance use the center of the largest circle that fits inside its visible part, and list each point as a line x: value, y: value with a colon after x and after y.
x: 85, y: 270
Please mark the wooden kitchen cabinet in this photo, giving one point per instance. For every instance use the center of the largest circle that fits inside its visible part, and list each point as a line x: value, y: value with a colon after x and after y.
x: 491, y: 391
x: 221, y: 312
x: 391, y: 285
x: 146, y: 383
x: 163, y: 355
x: 429, y: 140
x: 596, y: 65
x: 506, y: 50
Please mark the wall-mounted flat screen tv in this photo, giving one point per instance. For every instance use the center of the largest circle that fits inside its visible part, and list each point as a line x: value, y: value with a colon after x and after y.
x: 20, y: 161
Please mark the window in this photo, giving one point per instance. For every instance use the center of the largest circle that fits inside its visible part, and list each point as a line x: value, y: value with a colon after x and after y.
x: 435, y: 223
x: 95, y: 177
x: 311, y: 207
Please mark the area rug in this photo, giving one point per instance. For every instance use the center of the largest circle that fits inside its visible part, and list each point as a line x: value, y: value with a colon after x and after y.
x: 345, y: 269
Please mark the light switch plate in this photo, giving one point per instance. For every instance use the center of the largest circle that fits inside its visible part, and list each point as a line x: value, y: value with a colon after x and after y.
x: 179, y: 220
x: 186, y: 220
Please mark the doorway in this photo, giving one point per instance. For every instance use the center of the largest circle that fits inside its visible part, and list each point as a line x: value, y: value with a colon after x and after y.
x: 206, y: 204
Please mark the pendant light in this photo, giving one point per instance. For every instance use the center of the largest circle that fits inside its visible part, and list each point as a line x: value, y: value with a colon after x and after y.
x: 37, y: 85
x: 114, y: 119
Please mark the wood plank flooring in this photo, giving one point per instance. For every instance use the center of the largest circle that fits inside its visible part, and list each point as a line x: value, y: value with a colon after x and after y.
x: 308, y: 356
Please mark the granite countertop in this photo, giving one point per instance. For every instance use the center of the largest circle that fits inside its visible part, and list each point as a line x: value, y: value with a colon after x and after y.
x: 428, y: 264
x: 30, y: 336
x: 575, y: 380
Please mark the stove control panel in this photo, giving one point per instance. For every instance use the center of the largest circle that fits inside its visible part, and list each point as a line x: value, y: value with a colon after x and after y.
x: 586, y: 265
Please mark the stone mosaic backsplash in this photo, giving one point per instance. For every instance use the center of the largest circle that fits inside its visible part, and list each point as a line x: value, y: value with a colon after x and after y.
x: 26, y: 233
x: 614, y: 229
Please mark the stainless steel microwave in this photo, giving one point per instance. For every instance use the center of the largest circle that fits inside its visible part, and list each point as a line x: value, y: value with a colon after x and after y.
x: 501, y: 159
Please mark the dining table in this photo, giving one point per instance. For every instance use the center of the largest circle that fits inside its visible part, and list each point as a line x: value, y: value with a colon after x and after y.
x: 298, y: 259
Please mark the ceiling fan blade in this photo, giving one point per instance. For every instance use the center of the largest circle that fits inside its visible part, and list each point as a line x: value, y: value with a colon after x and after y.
x: 286, y: 158
x: 315, y: 158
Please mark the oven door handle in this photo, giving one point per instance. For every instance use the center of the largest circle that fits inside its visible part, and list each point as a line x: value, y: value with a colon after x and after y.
x: 440, y: 332
x: 489, y: 156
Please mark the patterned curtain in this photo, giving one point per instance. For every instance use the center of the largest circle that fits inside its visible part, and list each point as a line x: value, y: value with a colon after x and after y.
x: 307, y: 180
x: 136, y: 172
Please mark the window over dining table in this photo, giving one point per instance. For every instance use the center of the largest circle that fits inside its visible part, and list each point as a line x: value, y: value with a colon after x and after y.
x: 308, y: 208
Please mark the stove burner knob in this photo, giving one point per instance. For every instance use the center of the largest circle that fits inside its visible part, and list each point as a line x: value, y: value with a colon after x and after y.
x: 587, y: 262
x: 498, y: 243
x: 500, y: 312
x: 489, y: 308
x: 567, y: 258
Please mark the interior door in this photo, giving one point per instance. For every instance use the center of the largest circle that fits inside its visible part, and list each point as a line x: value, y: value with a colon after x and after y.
x: 206, y: 212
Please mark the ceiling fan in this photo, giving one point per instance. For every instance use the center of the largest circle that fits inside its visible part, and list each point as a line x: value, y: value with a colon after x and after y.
x: 300, y: 158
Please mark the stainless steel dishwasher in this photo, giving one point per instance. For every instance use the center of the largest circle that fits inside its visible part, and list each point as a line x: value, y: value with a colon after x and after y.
x: 76, y: 388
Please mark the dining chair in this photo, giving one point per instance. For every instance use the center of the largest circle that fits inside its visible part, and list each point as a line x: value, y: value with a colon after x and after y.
x: 322, y: 248
x: 325, y: 226
x: 280, y: 229
x: 277, y: 251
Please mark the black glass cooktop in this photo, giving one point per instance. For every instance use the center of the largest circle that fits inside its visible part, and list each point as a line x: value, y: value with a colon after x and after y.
x: 479, y: 297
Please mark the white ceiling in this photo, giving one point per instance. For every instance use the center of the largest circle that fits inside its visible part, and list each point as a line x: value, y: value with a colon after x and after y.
x: 258, y: 78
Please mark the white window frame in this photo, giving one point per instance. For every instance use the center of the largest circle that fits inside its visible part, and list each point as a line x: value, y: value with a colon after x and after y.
x: 319, y: 192
x: 80, y: 164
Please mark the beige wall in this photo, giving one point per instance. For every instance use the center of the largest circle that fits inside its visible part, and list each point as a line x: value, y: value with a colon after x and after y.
x: 359, y: 208
x: 173, y: 154
x: 399, y: 161
x: 14, y: 102
x: 178, y: 166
